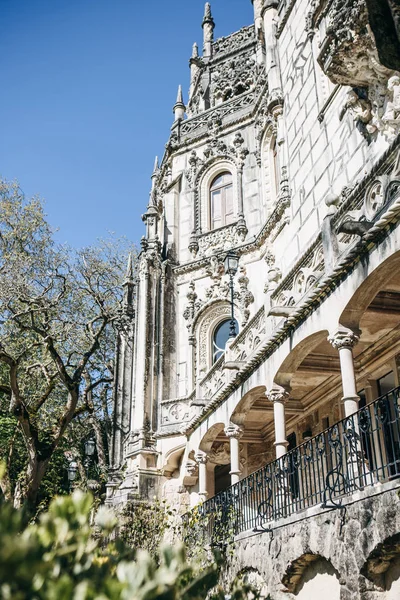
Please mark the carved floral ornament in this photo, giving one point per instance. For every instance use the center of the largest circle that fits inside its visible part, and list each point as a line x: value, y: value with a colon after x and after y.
x: 299, y: 283
x: 218, y: 290
x: 344, y: 338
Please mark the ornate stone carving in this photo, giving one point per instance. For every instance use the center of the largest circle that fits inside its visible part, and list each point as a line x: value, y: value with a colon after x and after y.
x: 349, y: 55
x: 277, y: 394
x: 274, y: 274
x: 234, y: 42
x: 213, y: 381
x: 233, y: 77
x: 215, y: 313
x: 193, y: 306
x: 175, y: 412
x: 249, y: 338
x: 344, y: 338
x: 375, y: 196
x: 201, y: 458
x: 220, y: 239
x: 220, y: 453
x: 233, y: 430
x: 244, y: 295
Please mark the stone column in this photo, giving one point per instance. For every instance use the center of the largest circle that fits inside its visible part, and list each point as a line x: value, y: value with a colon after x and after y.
x: 344, y: 340
x: 201, y: 459
x: 278, y: 396
x: 234, y: 433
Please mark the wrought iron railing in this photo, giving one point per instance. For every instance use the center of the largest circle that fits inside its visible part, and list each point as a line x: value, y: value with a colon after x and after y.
x: 359, y: 451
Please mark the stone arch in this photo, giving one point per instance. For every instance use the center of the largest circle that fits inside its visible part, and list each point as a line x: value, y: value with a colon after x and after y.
x: 382, y: 566
x: 291, y: 363
x: 172, y: 460
x: 310, y: 576
x: 209, y: 171
x: 210, y: 436
x: 204, y: 324
x: 367, y: 290
x: 242, y: 408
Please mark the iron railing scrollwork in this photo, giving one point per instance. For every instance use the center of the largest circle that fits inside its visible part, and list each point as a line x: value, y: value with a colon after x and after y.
x: 359, y: 451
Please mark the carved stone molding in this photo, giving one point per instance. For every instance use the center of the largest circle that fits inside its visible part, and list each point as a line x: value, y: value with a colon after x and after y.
x: 277, y: 394
x: 201, y: 458
x: 175, y: 412
x: 233, y: 430
x: 344, y: 338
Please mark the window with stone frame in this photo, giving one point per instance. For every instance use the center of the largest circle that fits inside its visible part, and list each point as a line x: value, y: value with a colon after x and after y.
x: 221, y: 200
x: 270, y: 167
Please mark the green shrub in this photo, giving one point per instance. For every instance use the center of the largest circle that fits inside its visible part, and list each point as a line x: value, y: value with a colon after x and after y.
x: 59, y: 558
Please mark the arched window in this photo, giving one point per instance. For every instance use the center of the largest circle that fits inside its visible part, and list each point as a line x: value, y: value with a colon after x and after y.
x: 220, y: 337
x: 221, y: 200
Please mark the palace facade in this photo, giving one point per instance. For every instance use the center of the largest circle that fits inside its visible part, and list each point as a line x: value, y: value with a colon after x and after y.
x: 258, y: 354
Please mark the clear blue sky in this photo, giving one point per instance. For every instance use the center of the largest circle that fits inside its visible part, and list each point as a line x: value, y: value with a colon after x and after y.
x: 87, y: 89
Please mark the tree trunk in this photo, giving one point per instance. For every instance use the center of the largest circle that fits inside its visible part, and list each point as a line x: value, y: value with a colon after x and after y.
x: 26, y: 490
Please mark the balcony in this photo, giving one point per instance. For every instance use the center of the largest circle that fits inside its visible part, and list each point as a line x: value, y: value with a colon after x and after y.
x: 358, y: 452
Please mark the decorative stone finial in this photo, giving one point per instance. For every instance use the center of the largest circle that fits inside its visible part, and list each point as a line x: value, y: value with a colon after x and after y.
x: 156, y: 167
x: 207, y: 15
x: 208, y: 31
x: 179, y: 107
x: 195, y: 51
x: 129, y: 270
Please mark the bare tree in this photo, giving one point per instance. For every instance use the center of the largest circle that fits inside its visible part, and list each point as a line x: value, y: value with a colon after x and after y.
x: 57, y: 309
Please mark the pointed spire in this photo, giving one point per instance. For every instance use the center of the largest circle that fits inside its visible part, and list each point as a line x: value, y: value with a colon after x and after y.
x: 195, y: 51
x: 129, y: 269
x: 207, y: 13
x: 129, y: 286
x: 179, y: 98
x: 208, y: 31
x: 208, y: 16
x: 156, y: 167
x: 179, y: 107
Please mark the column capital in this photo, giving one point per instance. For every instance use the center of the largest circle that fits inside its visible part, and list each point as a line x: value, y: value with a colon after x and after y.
x: 233, y: 431
x: 344, y: 338
x: 201, y: 457
x: 277, y: 394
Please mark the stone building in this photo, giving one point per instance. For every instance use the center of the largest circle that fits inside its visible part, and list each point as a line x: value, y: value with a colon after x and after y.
x: 268, y: 390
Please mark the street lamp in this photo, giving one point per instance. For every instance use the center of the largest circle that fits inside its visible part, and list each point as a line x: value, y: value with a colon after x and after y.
x: 90, y: 447
x: 72, y: 471
x: 231, y: 264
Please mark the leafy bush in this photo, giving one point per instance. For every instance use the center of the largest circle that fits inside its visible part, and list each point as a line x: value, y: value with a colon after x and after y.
x: 59, y: 558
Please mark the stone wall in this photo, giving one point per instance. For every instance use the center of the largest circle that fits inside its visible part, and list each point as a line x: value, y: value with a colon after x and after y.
x: 334, y: 554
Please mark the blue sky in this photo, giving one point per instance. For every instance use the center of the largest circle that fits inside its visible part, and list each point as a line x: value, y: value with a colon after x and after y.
x: 87, y: 89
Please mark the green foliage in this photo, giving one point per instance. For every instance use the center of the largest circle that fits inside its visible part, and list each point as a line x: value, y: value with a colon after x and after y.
x: 145, y: 524
x: 58, y: 558
x: 57, y: 310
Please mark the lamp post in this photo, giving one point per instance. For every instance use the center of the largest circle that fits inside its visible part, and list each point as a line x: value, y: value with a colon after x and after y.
x: 90, y: 447
x: 72, y: 471
x: 231, y: 264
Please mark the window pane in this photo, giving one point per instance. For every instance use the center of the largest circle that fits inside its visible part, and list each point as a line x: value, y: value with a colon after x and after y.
x: 216, y: 206
x: 217, y: 181
x: 221, y: 336
x: 386, y: 383
x: 228, y: 200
